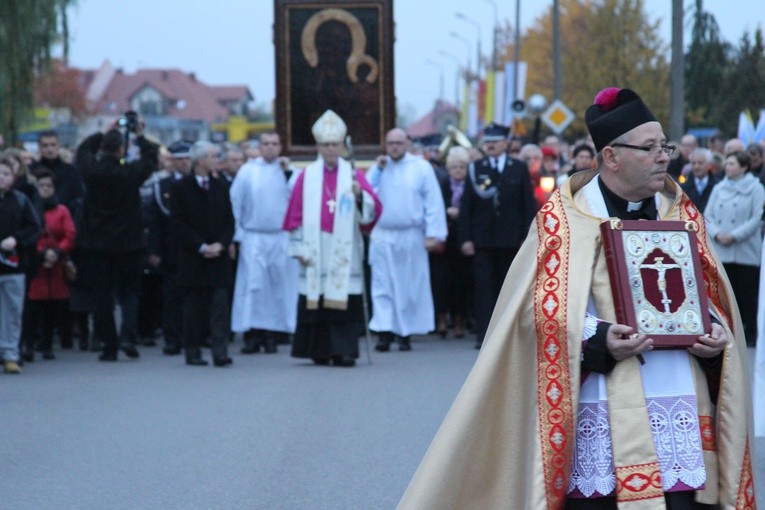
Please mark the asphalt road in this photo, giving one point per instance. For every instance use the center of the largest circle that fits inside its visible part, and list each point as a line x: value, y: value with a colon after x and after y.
x: 269, y: 432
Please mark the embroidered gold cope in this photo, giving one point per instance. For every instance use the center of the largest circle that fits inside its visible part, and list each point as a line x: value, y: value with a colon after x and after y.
x: 507, y: 441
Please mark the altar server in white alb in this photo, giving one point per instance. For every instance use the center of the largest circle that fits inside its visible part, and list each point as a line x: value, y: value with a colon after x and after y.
x: 266, y: 289
x: 413, y: 223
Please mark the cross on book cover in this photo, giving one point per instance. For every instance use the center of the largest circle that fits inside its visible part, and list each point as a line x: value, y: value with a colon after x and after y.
x: 656, y: 279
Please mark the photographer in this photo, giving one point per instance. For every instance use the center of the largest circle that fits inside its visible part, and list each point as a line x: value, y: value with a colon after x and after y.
x: 111, y: 236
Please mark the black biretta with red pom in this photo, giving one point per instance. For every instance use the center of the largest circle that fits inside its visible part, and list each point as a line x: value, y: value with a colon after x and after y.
x: 614, y: 112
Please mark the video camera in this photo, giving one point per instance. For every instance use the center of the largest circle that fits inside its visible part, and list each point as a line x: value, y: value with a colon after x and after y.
x: 129, y: 121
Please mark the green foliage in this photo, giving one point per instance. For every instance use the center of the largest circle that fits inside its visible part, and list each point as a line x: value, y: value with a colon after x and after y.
x: 704, y: 63
x: 743, y: 86
x: 603, y: 43
x: 28, y: 31
x: 721, y: 80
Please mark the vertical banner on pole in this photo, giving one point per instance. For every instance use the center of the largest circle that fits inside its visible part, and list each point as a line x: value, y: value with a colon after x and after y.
x: 759, y: 131
x: 464, y: 122
x: 488, y: 116
x: 499, y: 97
x: 472, y: 104
x: 482, y: 96
x: 509, y: 80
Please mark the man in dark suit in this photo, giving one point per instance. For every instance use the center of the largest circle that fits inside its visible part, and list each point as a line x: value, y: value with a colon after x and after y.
x: 67, y: 179
x: 496, y: 210
x: 699, y: 185
x: 688, y: 144
x: 163, y: 245
x: 203, y: 219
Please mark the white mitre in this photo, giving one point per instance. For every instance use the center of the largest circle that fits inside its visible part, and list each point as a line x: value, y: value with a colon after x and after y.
x: 329, y: 128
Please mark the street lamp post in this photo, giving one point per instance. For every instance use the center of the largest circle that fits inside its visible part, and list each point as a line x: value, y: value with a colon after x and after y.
x: 537, y: 105
x: 441, y: 77
x: 494, y: 62
x: 456, y: 75
x: 469, y: 48
x: 517, y: 49
x: 557, y: 89
x: 477, y: 25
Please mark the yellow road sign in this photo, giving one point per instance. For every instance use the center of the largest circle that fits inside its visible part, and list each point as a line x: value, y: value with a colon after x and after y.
x: 557, y: 116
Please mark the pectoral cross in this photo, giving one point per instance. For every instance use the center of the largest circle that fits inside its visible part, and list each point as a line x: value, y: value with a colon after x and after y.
x: 331, y: 205
x: 661, y: 280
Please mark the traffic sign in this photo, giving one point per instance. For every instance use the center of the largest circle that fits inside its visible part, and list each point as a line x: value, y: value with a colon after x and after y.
x: 558, y: 116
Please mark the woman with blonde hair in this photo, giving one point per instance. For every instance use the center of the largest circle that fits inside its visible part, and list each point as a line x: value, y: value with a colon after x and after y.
x: 457, y: 275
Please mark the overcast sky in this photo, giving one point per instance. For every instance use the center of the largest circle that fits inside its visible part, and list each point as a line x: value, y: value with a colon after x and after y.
x: 229, y: 42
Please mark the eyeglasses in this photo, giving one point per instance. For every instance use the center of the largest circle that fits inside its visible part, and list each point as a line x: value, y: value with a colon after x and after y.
x: 653, y: 150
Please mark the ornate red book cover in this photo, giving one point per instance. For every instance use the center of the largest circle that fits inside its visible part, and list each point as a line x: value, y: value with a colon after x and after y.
x: 656, y: 279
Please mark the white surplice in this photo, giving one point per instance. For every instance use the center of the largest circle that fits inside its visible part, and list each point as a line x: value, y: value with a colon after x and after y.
x: 671, y: 402
x: 413, y: 209
x: 266, y: 288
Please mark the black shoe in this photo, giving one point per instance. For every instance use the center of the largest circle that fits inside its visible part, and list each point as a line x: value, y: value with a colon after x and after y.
x: 321, y: 361
x: 171, y: 351
x: 196, y: 362
x: 48, y: 355
x: 405, y: 344
x: 250, y: 349
x: 148, y: 342
x: 222, y: 362
x: 343, y: 361
x: 108, y: 356
x: 383, y: 342
x: 478, y: 345
x: 29, y: 357
x: 130, y: 351
x: 269, y: 346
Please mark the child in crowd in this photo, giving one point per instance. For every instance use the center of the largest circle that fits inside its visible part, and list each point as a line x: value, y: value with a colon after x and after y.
x: 19, y: 227
x: 48, y: 290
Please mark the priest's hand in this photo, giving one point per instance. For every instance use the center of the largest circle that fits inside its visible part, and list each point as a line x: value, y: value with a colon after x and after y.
x: 381, y: 161
x: 712, y: 344
x: 284, y: 163
x: 304, y: 261
x: 468, y: 249
x: 622, y: 343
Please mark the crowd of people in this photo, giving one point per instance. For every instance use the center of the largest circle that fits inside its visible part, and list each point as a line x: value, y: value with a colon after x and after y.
x: 565, y: 407
x: 197, y: 242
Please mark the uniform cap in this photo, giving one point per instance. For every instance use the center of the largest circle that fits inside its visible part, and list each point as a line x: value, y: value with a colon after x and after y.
x: 495, y: 132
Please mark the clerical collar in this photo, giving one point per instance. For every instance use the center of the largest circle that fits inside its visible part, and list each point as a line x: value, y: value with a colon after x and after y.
x: 625, y: 210
x: 328, y: 168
